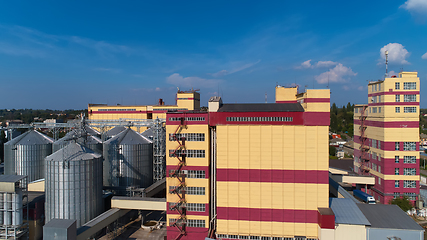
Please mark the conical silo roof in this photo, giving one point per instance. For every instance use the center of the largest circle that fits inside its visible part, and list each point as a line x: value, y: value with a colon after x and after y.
x: 114, y: 131
x: 71, y: 135
x: 73, y: 152
x: 93, y: 132
x: 149, y: 133
x: 129, y: 137
x: 31, y: 137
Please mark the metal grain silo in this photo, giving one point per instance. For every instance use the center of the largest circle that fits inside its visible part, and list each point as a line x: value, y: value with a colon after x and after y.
x: 113, y: 132
x: 73, y: 184
x: 128, y: 160
x: 25, y: 155
x: 91, y: 142
x: 149, y: 133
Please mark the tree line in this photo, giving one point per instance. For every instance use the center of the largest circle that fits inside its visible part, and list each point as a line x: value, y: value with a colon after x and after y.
x: 30, y: 115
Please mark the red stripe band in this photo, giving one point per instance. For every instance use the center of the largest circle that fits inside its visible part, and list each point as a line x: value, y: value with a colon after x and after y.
x: 316, y: 100
x: 396, y: 124
x: 273, y: 175
x: 267, y: 215
x: 395, y: 104
x: 394, y: 93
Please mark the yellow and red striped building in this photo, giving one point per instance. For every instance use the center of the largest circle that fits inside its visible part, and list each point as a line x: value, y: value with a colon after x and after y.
x: 260, y: 171
x: 386, y: 136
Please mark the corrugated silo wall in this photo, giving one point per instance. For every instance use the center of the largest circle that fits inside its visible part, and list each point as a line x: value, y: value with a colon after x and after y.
x: 74, y: 190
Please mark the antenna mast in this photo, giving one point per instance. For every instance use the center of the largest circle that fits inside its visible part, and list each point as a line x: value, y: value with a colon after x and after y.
x: 386, y: 63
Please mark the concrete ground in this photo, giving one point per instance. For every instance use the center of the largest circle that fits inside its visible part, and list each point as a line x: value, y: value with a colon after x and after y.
x: 133, y: 230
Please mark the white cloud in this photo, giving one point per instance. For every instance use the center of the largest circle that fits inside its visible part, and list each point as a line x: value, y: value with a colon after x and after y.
x: 158, y: 89
x: 346, y: 88
x: 304, y: 65
x: 320, y: 64
x: 339, y: 73
x: 396, y: 54
x: 360, y: 88
x: 325, y: 64
x: 416, y: 7
x: 234, y: 70
x: 424, y: 56
x: 193, y: 82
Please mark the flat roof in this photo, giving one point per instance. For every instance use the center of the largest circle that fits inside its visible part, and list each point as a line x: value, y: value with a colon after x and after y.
x: 59, y: 223
x: 388, y: 216
x: 11, y: 178
x: 347, y: 212
x: 261, y: 107
x: 343, y: 164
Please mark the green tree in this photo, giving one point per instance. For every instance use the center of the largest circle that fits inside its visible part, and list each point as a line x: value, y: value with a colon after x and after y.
x: 332, y: 151
x: 334, y: 109
x: 403, y: 202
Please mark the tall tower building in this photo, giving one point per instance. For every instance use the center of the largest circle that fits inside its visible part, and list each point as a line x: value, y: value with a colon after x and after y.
x: 249, y: 171
x: 386, y: 137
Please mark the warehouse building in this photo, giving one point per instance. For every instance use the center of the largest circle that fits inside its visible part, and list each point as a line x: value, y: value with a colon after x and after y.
x: 249, y: 171
x: 386, y: 137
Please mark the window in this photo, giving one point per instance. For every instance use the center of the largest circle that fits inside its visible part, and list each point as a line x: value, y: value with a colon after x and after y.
x: 409, y: 184
x: 191, y: 137
x: 409, y: 171
x: 356, y: 110
x: 374, y: 99
x: 411, y: 196
x: 374, y: 110
x: 397, y: 98
x: 379, y: 169
x: 190, y: 173
x: 410, y: 98
x: 396, y: 183
x: 410, y: 109
x: 189, y: 119
x: 379, y: 181
x: 409, y: 146
x: 409, y: 85
x: 379, y: 110
x: 259, y: 119
x: 409, y: 159
x: 397, y: 109
x: 192, y: 207
x: 396, y: 195
x: 396, y: 146
x: 188, y: 190
x: 190, y: 153
x: 375, y: 87
x: 397, y: 85
x: 396, y: 171
x: 396, y: 159
x: 379, y: 87
x: 190, y: 222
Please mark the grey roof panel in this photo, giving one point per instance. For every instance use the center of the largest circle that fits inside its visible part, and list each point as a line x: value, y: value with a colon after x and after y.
x: 129, y: 137
x: 347, y: 212
x: 31, y: 137
x: 59, y: 223
x: 388, y: 216
x: 11, y: 178
x: 261, y: 107
x: 73, y: 152
x: 149, y: 133
x: 114, y: 131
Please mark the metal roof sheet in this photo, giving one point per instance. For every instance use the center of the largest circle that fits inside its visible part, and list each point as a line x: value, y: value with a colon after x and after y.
x: 71, y: 135
x: 388, y: 216
x: 261, y: 107
x: 114, y: 131
x: 31, y: 137
x: 11, y: 178
x: 129, y: 137
x: 347, y: 212
x: 59, y: 223
x: 149, y: 133
x: 73, y: 152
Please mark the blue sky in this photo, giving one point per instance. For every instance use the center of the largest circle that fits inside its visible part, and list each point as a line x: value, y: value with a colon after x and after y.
x: 62, y: 55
